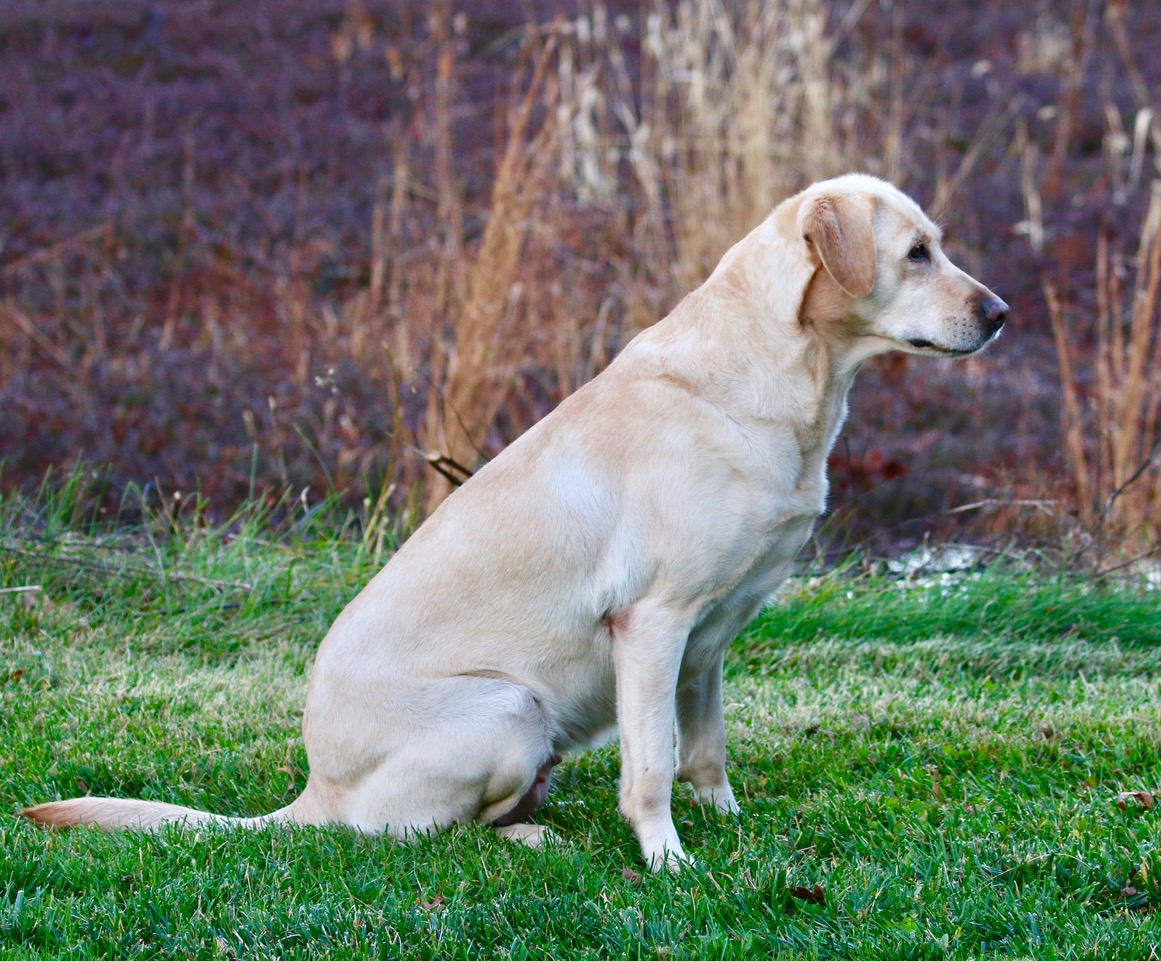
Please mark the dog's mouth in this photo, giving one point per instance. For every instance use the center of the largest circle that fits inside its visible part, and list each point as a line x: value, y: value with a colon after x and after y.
x: 921, y: 344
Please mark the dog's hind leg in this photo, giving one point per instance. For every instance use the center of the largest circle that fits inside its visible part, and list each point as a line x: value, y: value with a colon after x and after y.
x: 510, y: 825
x: 534, y: 797
x: 468, y: 748
x: 701, y: 740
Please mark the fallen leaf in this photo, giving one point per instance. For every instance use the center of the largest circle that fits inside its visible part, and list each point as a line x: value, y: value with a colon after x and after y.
x: 812, y: 895
x: 1142, y: 798
x: 633, y: 877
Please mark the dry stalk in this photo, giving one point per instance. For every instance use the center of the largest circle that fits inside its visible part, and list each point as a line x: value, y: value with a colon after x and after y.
x: 1072, y: 421
x: 464, y: 406
x: 1113, y: 439
x: 1033, y: 226
x: 1147, y: 117
x: 725, y: 96
x: 736, y: 105
x: 450, y: 202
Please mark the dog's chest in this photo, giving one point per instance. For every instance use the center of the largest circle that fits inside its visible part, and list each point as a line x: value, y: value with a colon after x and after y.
x: 789, y: 516
x: 735, y: 605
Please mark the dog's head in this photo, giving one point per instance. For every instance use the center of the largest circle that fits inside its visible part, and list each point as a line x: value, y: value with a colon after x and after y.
x: 882, y: 277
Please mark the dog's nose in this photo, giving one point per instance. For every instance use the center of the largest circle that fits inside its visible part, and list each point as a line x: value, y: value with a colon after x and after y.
x: 994, y: 312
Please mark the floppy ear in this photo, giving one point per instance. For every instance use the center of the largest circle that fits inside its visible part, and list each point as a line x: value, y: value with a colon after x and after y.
x: 841, y: 228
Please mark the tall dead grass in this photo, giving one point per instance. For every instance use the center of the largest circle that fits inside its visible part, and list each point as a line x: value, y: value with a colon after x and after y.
x: 462, y: 298
x: 732, y: 107
x: 1112, y: 396
x: 485, y: 345
x: 631, y: 151
x: 1109, y: 350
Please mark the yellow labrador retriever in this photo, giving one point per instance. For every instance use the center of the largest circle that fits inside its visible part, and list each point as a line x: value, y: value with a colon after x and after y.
x: 591, y: 577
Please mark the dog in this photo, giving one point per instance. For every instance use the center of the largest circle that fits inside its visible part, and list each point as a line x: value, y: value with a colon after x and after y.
x: 590, y: 578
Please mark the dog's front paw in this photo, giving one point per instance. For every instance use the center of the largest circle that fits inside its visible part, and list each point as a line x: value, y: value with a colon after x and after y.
x: 668, y: 859
x: 662, y: 849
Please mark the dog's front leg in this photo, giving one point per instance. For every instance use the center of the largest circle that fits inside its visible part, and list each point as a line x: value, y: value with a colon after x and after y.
x: 701, y: 740
x: 647, y: 649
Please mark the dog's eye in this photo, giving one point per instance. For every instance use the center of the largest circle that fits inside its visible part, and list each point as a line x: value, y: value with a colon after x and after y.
x: 918, y: 253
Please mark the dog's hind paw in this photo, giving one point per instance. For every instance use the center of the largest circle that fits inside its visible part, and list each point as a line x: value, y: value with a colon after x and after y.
x: 533, y: 835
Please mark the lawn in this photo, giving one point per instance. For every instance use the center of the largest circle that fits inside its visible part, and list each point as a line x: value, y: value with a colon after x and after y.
x: 958, y: 767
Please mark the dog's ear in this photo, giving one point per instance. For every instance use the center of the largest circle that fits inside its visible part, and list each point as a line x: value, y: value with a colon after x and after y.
x: 841, y: 229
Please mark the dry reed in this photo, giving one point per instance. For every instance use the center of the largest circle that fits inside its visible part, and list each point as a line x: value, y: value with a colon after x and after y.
x: 485, y: 345
x: 1111, y: 429
x: 735, y: 107
x: 408, y: 306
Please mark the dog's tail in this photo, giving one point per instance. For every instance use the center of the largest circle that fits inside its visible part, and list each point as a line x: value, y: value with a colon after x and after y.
x: 112, y: 814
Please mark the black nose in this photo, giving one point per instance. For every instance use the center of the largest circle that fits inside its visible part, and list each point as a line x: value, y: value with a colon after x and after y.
x: 994, y: 312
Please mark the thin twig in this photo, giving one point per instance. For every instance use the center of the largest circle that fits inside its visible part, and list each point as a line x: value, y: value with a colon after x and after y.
x: 990, y: 129
x: 455, y: 413
x: 451, y: 470
x: 1151, y: 552
x: 54, y: 250
x: 58, y: 356
x: 1145, y: 465
x: 996, y: 502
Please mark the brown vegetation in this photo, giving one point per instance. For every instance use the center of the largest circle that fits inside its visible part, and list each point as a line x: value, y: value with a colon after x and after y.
x: 318, y: 246
x: 1112, y: 442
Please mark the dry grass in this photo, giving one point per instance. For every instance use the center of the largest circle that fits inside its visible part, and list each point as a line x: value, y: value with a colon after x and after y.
x: 386, y: 232
x: 735, y: 106
x: 1111, y: 429
x: 485, y: 346
x: 1108, y: 348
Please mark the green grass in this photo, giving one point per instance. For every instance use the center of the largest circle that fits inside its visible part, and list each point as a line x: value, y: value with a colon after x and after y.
x: 929, y: 772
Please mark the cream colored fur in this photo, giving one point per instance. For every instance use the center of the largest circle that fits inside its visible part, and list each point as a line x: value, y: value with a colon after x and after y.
x: 590, y: 578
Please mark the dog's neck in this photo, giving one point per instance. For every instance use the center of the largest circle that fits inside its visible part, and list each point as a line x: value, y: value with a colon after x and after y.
x: 769, y: 339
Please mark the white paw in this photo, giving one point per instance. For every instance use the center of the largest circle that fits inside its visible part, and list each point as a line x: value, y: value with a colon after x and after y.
x: 532, y: 835
x: 721, y: 799
x: 669, y: 859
